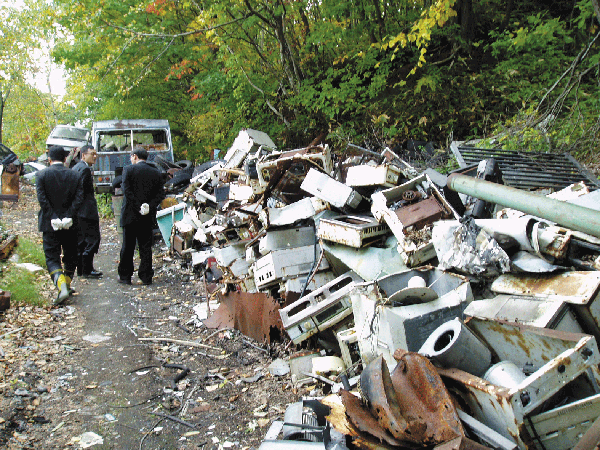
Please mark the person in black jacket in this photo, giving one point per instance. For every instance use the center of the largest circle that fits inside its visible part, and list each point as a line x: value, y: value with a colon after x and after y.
x: 88, y: 219
x: 143, y: 190
x: 60, y: 195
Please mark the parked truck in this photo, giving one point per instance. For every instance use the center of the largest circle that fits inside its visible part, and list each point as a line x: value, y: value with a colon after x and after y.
x: 115, y: 139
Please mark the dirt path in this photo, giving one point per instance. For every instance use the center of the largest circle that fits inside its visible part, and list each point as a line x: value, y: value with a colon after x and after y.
x: 83, y: 368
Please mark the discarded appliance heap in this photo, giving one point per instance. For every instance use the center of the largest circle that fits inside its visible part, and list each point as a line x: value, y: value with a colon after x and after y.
x: 465, y: 324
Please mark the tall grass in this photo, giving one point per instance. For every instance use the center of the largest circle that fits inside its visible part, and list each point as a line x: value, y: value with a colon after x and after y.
x: 25, y: 287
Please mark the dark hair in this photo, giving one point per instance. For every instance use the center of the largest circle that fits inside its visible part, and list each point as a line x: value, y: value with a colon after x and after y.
x: 140, y: 152
x: 86, y: 148
x: 57, y: 153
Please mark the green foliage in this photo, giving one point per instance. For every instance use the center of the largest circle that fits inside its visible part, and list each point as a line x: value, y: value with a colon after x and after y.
x: 105, y: 209
x: 30, y: 252
x: 24, y: 286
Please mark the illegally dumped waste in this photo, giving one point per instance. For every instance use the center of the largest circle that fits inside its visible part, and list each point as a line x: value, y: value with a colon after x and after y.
x: 442, y: 311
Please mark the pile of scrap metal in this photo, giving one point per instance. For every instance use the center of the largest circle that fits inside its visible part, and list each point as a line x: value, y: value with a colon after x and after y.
x: 487, y: 317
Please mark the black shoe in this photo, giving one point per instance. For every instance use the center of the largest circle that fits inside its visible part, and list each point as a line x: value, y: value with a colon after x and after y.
x: 146, y: 283
x: 125, y: 280
x: 92, y: 274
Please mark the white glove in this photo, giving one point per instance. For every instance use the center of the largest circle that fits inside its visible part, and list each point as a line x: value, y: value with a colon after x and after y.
x: 67, y: 222
x: 56, y: 224
x: 145, y: 209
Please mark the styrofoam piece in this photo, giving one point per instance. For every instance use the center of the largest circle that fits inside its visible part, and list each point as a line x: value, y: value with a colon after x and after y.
x: 287, y: 215
x: 288, y: 238
x: 284, y: 264
x: 366, y: 175
x: 332, y: 191
x: 453, y: 345
x: 327, y: 364
x: 320, y: 309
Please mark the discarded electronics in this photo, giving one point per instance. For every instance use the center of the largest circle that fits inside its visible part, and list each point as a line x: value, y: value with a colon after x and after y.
x: 581, y: 289
x: 283, y: 264
x: 321, y: 309
x: 410, y: 210
x: 353, y: 231
x: 328, y: 189
x: 304, y: 427
x: 552, y: 368
x: 366, y: 175
x: 414, y: 304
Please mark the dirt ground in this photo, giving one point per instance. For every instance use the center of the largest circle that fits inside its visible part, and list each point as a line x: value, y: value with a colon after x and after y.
x: 88, y: 366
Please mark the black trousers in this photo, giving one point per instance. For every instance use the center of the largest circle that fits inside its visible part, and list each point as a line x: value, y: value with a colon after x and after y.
x: 140, y: 233
x: 88, y: 237
x: 60, y: 249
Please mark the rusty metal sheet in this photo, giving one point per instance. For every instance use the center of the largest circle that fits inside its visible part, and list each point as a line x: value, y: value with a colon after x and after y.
x: 376, y: 385
x: 10, y: 184
x: 417, y: 382
x: 254, y: 315
x: 364, y: 421
x: 461, y: 443
x: 412, y: 402
x: 577, y: 287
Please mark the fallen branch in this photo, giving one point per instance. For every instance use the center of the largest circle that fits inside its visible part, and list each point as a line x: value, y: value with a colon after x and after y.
x: 177, y: 341
x: 174, y: 419
x: 11, y: 332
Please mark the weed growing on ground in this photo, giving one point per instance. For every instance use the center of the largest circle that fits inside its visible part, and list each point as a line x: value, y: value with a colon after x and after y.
x: 22, y: 284
x: 105, y: 206
x: 30, y: 252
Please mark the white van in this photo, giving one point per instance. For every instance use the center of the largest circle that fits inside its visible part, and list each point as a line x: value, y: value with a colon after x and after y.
x: 68, y: 137
x: 114, y: 140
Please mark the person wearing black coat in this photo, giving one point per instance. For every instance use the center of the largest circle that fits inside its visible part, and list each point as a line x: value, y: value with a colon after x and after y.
x: 143, y: 190
x: 60, y: 195
x: 88, y: 219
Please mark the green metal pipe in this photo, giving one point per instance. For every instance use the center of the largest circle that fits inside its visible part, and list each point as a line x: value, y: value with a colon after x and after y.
x: 565, y: 214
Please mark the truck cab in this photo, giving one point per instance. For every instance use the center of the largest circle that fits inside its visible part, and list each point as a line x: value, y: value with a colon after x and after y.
x: 114, y: 140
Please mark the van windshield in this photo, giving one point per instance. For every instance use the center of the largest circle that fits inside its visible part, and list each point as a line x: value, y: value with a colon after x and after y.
x: 76, y: 134
x: 126, y: 140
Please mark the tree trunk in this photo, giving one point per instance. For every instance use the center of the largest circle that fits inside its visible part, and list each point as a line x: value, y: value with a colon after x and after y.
x: 596, y: 9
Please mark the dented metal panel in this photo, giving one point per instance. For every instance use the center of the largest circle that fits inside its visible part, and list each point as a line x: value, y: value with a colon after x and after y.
x: 319, y: 310
x: 354, y: 231
x: 326, y: 188
x: 288, y: 238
